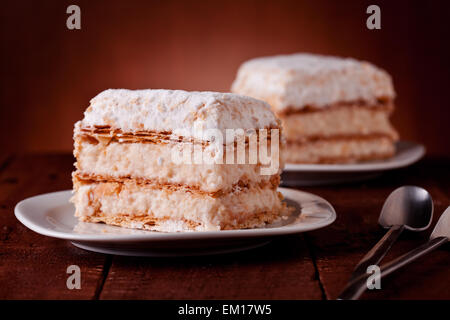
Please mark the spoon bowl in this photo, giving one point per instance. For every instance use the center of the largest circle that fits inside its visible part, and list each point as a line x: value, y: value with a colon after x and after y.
x: 442, y: 228
x: 408, y: 206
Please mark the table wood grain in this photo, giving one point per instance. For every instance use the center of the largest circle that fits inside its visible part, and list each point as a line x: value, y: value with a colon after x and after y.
x: 314, y: 265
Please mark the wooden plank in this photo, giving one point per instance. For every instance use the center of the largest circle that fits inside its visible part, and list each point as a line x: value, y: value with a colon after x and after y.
x: 33, y: 266
x: 280, y: 270
x: 339, y: 247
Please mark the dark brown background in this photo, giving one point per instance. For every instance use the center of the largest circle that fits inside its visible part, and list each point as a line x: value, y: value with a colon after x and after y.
x: 49, y: 73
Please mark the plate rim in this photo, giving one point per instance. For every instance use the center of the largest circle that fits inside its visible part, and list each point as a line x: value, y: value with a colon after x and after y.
x: 174, y: 236
x: 387, y: 164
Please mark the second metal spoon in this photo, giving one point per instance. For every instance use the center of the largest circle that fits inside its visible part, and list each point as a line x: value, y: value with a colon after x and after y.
x: 408, y: 207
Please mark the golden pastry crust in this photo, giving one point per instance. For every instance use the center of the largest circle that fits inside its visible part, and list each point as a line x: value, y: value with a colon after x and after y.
x: 81, y: 178
x: 148, y: 222
x: 381, y: 105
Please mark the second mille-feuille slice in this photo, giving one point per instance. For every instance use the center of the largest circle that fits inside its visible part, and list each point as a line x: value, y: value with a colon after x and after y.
x: 333, y: 110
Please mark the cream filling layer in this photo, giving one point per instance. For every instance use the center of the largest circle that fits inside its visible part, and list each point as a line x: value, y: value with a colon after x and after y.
x: 340, y: 121
x: 153, y: 161
x: 339, y: 151
x: 115, y: 198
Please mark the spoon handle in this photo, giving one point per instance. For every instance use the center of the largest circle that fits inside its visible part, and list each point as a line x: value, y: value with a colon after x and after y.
x: 357, y: 287
x: 374, y: 256
x: 412, y: 255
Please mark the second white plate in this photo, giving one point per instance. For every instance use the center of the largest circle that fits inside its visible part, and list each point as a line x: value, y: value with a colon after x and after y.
x: 406, y: 154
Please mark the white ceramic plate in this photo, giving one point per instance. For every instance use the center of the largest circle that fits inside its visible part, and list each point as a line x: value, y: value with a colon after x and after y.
x: 406, y: 154
x: 52, y: 215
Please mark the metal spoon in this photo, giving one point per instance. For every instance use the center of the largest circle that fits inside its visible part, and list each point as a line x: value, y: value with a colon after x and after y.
x: 439, y: 236
x: 407, y: 207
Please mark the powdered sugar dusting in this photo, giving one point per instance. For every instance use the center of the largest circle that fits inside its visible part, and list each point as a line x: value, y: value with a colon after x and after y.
x: 176, y: 111
x: 300, y: 80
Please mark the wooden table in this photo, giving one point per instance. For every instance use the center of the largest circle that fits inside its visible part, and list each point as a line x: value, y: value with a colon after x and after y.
x: 314, y: 265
